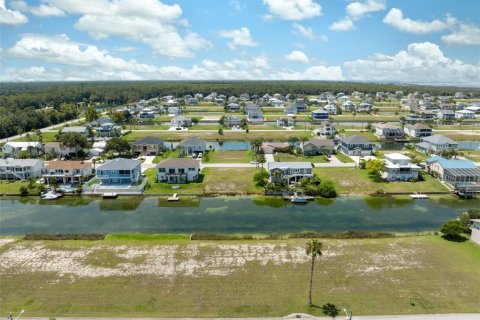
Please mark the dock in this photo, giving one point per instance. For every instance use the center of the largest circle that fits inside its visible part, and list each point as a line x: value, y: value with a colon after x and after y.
x: 418, y: 196
x: 175, y: 197
x: 110, y: 195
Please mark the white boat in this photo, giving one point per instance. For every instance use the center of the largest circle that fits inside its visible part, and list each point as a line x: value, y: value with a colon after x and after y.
x: 175, y: 197
x: 298, y: 199
x: 50, y: 195
x: 418, y: 196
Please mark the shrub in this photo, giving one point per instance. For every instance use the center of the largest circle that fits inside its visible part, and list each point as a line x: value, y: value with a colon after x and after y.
x: 452, y: 230
x: 60, y: 236
x: 23, y: 191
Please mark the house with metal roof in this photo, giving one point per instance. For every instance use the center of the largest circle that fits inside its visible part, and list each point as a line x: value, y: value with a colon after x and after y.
x: 82, y: 130
x: 178, y: 170
x: 435, y: 144
x: 459, y: 173
x: 150, y: 146
x: 399, y: 167
x: 119, y: 171
x: 356, y: 146
x: 290, y: 172
x: 20, y: 169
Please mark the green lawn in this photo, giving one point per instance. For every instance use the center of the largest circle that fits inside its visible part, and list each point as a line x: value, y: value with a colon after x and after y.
x: 148, y: 278
x: 141, y: 237
x: 473, y: 155
x: 366, y: 134
x: 13, y: 187
x: 228, y: 157
x: 46, y: 137
x: 343, y: 158
x: 230, y: 181
x: 287, y: 157
x: 356, y: 181
x: 166, y: 155
x: 166, y: 188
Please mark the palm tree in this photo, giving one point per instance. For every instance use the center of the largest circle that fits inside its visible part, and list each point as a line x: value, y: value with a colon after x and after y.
x: 313, y: 249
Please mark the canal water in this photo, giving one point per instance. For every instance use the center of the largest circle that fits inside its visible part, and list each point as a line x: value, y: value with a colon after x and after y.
x: 226, y: 215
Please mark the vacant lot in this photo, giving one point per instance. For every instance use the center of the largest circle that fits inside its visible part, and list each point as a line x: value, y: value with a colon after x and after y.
x: 228, y: 157
x: 356, y: 181
x: 287, y: 157
x: 230, y: 180
x: 232, y: 279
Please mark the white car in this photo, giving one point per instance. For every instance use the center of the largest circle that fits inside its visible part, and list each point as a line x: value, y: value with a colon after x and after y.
x: 200, y: 155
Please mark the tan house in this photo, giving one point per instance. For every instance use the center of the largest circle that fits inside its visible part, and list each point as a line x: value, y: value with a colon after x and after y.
x: 148, y: 146
x: 67, y: 171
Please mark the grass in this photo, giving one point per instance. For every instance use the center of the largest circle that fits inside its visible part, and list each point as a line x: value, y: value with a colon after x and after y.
x: 166, y: 188
x: 460, y: 136
x: 407, y: 275
x: 46, y: 137
x: 230, y: 181
x: 228, y: 157
x: 166, y: 155
x: 366, y: 134
x: 473, y: 155
x: 343, y: 158
x: 356, y: 181
x: 13, y: 187
x: 287, y: 157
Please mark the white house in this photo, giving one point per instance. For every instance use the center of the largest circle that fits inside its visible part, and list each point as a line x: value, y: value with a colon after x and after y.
x: 399, y: 167
x: 292, y: 109
x: 11, y: 148
x: 178, y: 170
x: 59, y: 150
x: 289, y: 172
x: 67, y: 171
x: 435, y: 144
x: 320, y: 114
x: 464, y: 114
x: 475, y: 227
x: 285, y: 122
x: 82, y: 130
x: 325, y: 129
x: 254, y: 114
x: 330, y: 108
x: 98, y: 148
x: 364, y: 107
x: 348, y: 106
x: 181, y: 121
x: 276, y: 103
x: 192, y: 145
x: 232, y: 121
x: 417, y: 130
x: 175, y: 110
x: 389, y: 131
x: 20, y: 169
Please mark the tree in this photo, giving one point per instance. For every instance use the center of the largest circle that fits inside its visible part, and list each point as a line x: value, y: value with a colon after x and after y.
x: 452, y: 230
x: 260, y: 178
x: 118, y: 117
x: 117, y: 144
x: 220, y: 131
x: 313, y: 249
x: 73, y: 140
x: 23, y: 191
x: 327, y: 189
x: 91, y: 114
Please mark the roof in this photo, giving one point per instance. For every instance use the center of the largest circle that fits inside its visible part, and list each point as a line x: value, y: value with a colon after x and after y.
x: 23, y: 144
x: 20, y: 162
x: 452, y: 163
x: 148, y: 140
x: 74, y: 129
x: 67, y: 165
x: 191, y: 140
x: 387, y: 126
x: 397, y: 156
x: 447, y: 111
x: 356, y: 140
x: 417, y: 126
x: 179, y: 163
x: 319, y: 111
x: 438, y: 139
x: 56, y: 145
x: 321, y: 142
x: 288, y: 165
x: 119, y: 164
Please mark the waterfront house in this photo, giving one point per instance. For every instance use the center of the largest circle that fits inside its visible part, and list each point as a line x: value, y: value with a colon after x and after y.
x: 475, y: 227
x: 417, y: 130
x: 119, y: 171
x: 317, y: 146
x: 98, y: 148
x: 290, y: 172
x: 58, y: 150
x: 457, y: 173
x: 191, y: 145
x: 319, y: 114
x: 12, y: 148
x: 233, y: 107
x: 148, y: 146
x: 348, y: 106
x: 244, y: 97
x: 330, y: 108
x: 435, y: 144
x: 325, y: 129
x: 301, y: 105
x: 464, y: 114
x: 254, y: 113
x: 20, y: 169
x: 356, y: 146
x: 446, y: 115
x: 146, y: 114
x: 399, y: 167
x: 272, y: 147
x: 67, y: 171
x: 389, y: 131
x: 174, y: 110
x: 178, y: 170
x: 291, y: 109
x: 285, y: 122
x: 108, y: 129
x: 364, y: 107
x: 232, y: 121
x: 181, y: 121
x: 82, y: 130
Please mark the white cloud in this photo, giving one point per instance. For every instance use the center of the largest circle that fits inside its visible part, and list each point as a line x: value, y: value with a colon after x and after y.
x: 333, y: 73
x: 420, y: 63
x: 467, y: 34
x: 293, y: 9
x: 355, y: 11
x: 240, y: 38
x: 237, y: 5
x: 395, y: 19
x: 342, y: 25
x: 11, y: 17
x: 42, y: 10
x: 297, y: 56
x: 148, y: 21
x: 307, y: 32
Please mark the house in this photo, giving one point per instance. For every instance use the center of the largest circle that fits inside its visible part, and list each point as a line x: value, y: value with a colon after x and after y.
x: 67, y: 171
x: 417, y: 130
x: 290, y: 172
x: 20, y: 169
x: 244, y: 97
x: 330, y: 108
x: 98, y: 148
x: 301, y: 105
x: 464, y: 114
x: 325, y: 129
x: 146, y: 114
x: 232, y: 99
x: 174, y: 110
x: 233, y: 107
x: 389, y: 131
x: 148, y: 146
x: 457, y: 173
x: 348, y: 106
x: 277, y: 103
x: 12, y: 148
x: 473, y: 108
x: 192, y: 145
x: 108, y: 129
x: 446, y: 115
x: 459, y: 95
x: 399, y: 167
x: 59, y: 150
x: 119, y: 171
x: 356, y: 146
x: 181, y: 121
x: 435, y: 144
x: 192, y: 102
x: 219, y: 101
x: 320, y: 114
x: 232, y: 121
x: 254, y: 113
x: 317, y: 146
x: 475, y: 227
x: 285, y: 122
x: 364, y: 107
x: 427, y: 115
x: 343, y: 99
x: 272, y: 147
x: 82, y: 130
x: 291, y: 109
x: 178, y: 170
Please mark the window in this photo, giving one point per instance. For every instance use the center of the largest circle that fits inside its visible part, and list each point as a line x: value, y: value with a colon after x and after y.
x: 171, y: 170
x: 181, y: 170
x: 123, y: 172
x: 161, y: 170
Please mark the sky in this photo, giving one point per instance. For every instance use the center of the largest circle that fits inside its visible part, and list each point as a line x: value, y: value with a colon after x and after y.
x: 403, y: 41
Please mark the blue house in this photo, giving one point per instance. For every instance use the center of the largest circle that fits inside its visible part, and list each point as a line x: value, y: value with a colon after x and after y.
x: 320, y: 114
x: 356, y: 146
x: 119, y: 171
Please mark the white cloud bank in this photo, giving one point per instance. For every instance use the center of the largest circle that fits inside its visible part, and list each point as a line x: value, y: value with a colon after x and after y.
x: 42, y: 10
x: 239, y: 38
x: 297, y: 56
x: 11, y: 17
x: 467, y: 35
x: 355, y: 11
x: 292, y: 9
x: 395, y: 19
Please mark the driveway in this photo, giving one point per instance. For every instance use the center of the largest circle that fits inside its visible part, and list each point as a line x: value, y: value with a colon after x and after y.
x: 269, y: 157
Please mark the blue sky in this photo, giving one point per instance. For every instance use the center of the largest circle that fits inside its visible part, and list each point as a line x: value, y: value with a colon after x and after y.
x: 428, y: 41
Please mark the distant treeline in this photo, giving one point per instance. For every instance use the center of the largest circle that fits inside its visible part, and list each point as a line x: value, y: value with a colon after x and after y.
x: 69, y: 236
x: 18, y: 101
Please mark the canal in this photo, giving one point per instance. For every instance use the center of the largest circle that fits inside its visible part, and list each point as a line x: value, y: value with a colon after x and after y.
x: 226, y: 215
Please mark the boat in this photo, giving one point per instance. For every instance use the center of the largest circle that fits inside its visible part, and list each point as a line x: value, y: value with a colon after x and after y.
x: 418, y: 196
x: 50, y: 195
x: 298, y: 199
x: 175, y: 197
x: 110, y: 195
